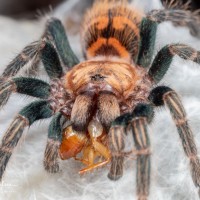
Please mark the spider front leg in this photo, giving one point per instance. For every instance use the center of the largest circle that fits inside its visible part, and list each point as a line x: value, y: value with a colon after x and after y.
x: 138, y: 120
x: 166, y: 96
x: 29, y: 114
x: 53, y: 49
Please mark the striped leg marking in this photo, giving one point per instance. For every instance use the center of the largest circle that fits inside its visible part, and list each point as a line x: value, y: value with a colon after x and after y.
x: 29, y: 53
x: 166, y: 96
x: 142, y: 116
x: 179, y: 17
x: 137, y: 121
x: 29, y: 114
x: 53, y: 49
x: 142, y: 143
x: 10, y: 140
x: 116, y: 141
x: 173, y: 102
x: 165, y: 56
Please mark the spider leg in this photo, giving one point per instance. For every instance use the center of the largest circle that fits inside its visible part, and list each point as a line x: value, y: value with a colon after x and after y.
x: 29, y: 114
x: 142, y: 143
x: 117, y: 135
x: 55, y: 32
x: 148, y: 29
x: 165, y: 56
x: 180, y: 17
x: 30, y: 53
x: 166, y: 96
x: 51, y: 62
x: 138, y: 120
x: 51, y: 154
x: 53, y: 49
x: 23, y: 85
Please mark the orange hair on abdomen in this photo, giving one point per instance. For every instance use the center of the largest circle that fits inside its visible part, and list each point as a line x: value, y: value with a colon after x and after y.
x: 111, y: 28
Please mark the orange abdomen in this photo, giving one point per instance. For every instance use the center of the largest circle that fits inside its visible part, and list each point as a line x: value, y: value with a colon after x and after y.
x: 111, y: 29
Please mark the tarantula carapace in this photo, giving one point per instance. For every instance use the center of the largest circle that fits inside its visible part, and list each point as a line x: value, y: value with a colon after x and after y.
x: 95, y: 104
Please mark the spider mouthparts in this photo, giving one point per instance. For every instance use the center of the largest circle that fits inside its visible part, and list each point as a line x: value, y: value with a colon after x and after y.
x: 95, y: 129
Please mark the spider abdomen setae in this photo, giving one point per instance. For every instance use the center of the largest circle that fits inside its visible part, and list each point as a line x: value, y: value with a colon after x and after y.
x: 111, y: 29
x: 96, y: 103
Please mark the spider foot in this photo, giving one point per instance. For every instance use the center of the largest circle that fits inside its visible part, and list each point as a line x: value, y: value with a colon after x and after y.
x: 116, y: 170
x: 4, y: 158
x: 51, y: 156
x: 51, y: 167
x: 195, y: 170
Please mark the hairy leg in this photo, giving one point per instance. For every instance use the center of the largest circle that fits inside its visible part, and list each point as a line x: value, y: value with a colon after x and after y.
x: 138, y: 120
x: 148, y: 29
x: 166, y: 96
x: 29, y: 54
x: 165, y: 56
x: 29, y: 114
x: 179, y: 14
x: 51, y: 154
x: 23, y: 85
x: 53, y: 49
x: 55, y: 33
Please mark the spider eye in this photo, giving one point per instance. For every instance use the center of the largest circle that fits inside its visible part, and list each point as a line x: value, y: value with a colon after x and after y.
x: 97, y: 77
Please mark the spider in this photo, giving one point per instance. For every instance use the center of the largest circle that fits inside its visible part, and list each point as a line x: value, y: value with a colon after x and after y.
x: 96, y: 103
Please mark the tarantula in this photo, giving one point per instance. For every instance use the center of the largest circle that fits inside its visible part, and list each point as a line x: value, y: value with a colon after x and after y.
x: 104, y: 98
